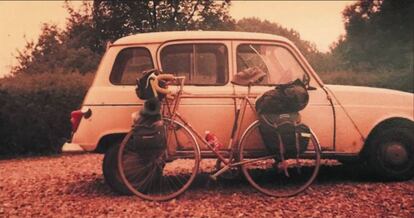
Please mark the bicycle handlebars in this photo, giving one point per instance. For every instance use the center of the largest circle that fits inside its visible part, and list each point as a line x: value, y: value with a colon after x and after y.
x: 167, y: 77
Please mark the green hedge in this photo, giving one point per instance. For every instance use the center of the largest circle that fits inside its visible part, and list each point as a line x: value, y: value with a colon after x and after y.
x: 35, y: 111
x: 398, y: 80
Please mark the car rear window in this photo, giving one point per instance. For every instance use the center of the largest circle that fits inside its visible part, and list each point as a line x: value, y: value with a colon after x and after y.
x: 129, y: 64
x: 201, y: 64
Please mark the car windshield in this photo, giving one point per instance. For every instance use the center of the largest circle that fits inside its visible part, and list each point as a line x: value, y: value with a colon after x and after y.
x: 279, y: 65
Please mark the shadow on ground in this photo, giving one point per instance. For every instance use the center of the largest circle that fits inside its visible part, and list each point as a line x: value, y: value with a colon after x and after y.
x: 328, y: 175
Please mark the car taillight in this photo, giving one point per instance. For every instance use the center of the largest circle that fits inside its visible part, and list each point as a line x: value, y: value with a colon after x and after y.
x: 75, y: 118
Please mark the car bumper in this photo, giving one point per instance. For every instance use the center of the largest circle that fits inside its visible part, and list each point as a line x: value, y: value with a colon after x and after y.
x: 72, y: 148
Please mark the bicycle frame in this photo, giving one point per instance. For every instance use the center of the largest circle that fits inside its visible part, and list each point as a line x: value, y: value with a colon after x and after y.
x: 167, y: 188
x: 172, y: 113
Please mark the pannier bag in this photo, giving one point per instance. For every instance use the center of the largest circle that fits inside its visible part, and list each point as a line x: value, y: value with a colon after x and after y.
x: 149, y: 128
x: 149, y: 133
x: 285, y: 98
x: 148, y: 140
x: 144, y: 90
x: 284, y: 130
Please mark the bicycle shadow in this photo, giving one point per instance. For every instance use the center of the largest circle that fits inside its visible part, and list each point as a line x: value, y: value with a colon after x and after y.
x: 328, y: 174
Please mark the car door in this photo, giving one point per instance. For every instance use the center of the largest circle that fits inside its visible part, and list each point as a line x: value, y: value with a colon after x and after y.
x: 282, y: 63
x: 207, y: 100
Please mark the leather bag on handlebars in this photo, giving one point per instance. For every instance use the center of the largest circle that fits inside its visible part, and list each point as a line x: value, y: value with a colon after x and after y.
x: 144, y: 90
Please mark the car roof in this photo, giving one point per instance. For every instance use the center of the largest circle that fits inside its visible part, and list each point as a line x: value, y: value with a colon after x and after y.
x: 160, y: 37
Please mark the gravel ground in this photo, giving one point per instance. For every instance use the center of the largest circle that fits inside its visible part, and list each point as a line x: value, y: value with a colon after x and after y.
x: 72, y: 185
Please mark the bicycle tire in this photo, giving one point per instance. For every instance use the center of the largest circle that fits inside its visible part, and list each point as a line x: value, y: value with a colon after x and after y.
x: 160, y: 175
x: 267, y: 176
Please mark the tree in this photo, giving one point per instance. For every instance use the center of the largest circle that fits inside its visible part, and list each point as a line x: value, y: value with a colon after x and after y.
x: 82, y: 53
x: 379, y: 34
x: 116, y: 19
x: 56, y: 50
x: 37, y: 57
x: 80, y: 45
x: 307, y: 48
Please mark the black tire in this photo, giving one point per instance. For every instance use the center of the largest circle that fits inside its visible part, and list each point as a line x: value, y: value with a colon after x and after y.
x: 264, y: 173
x: 391, y: 154
x: 111, y: 173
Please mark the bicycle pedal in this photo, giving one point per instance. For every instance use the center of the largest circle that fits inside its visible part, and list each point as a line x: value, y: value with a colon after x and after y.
x: 283, y: 166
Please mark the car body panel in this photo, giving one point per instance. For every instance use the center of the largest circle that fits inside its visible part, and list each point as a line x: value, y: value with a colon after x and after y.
x: 364, y: 108
x: 341, y: 116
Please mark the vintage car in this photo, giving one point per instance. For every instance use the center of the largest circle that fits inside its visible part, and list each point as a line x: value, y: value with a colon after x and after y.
x: 352, y: 123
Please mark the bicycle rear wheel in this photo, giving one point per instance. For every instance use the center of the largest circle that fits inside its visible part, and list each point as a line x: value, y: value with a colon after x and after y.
x: 266, y: 172
x: 161, y: 174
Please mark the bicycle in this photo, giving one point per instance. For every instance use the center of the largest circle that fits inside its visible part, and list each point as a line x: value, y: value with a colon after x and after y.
x: 164, y: 174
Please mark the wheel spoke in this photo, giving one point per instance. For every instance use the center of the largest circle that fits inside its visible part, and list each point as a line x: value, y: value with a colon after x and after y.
x: 150, y: 176
x: 274, y: 175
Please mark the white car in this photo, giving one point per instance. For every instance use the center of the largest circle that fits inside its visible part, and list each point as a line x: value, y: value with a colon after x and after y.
x: 352, y: 123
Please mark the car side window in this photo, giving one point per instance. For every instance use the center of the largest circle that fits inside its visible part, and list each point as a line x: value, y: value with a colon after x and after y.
x: 279, y: 65
x: 129, y: 64
x: 201, y: 64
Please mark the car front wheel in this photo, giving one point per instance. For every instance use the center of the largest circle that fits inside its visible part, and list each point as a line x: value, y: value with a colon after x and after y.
x: 391, y: 154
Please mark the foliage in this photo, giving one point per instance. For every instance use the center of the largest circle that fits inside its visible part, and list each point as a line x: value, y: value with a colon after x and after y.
x: 383, y: 79
x: 378, y: 47
x: 35, y: 111
x: 116, y: 19
x: 79, y: 47
x: 57, y: 50
x: 379, y: 35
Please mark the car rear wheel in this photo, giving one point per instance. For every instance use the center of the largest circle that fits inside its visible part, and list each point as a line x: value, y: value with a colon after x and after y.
x: 111, y: 172
x: 391, y: 154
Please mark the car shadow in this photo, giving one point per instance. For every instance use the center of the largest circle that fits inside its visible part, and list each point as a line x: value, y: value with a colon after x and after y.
x: 342, y: 173
x: 328, y: 175
x: 91, y: 187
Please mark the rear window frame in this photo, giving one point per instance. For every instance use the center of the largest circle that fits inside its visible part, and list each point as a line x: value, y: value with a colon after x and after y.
x: 116, y: 58
x: 197, y: 42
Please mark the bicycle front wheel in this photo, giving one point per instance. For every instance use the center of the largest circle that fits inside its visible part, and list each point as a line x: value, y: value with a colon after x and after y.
x: 271, y: 176
x: 161, y: 174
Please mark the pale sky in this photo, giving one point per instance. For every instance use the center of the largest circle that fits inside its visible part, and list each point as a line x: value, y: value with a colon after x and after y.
x: 316, y: 21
